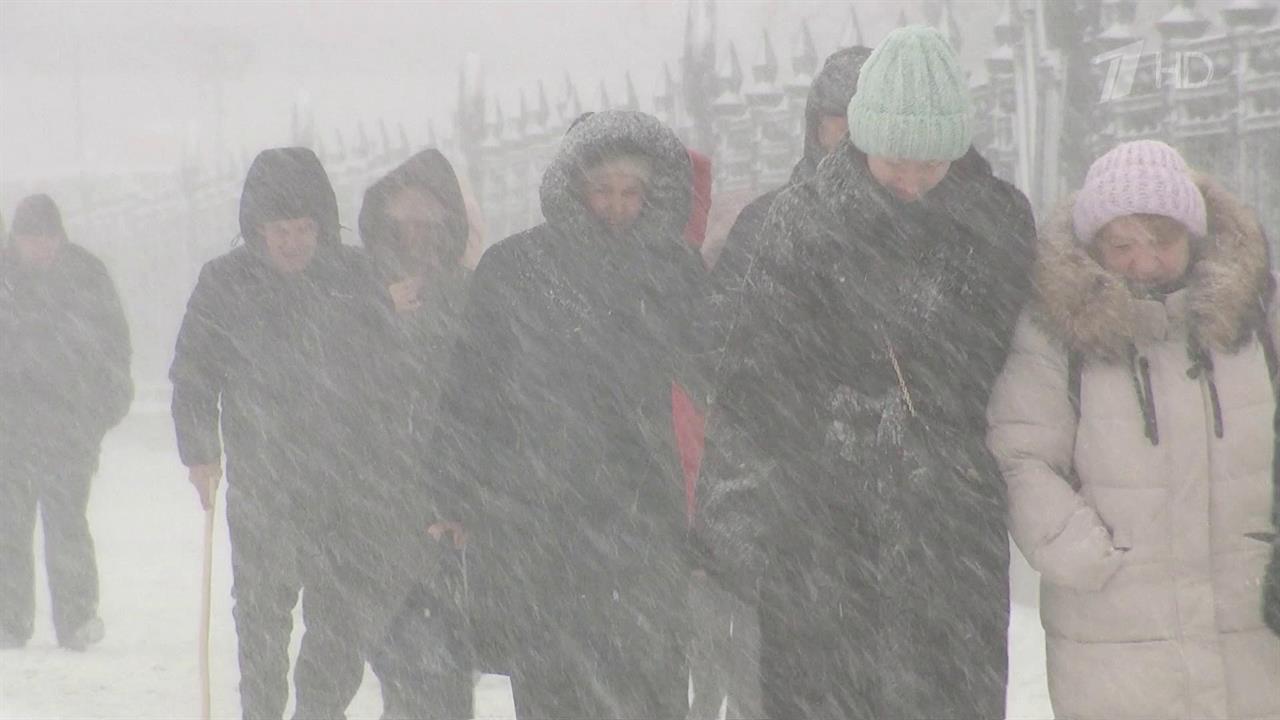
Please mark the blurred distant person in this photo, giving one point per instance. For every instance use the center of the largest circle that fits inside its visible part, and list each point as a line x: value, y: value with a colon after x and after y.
x: 64, y: 382
x: 563, y: 454
x: 274, y: 357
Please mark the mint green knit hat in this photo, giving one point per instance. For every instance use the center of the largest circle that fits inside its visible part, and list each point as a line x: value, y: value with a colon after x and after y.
x: 912, y: 101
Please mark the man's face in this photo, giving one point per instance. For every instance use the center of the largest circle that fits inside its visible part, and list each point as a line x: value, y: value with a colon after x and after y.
x: 418, y: 225
x: 290, y: 243
x: 908, y: 180
x: 36, y: 252
x: 614, y: 191
x: 1150, y: 251
x: 831, y: 130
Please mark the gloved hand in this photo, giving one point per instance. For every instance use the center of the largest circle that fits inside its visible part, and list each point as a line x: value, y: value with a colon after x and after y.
x: 205, y: 480
x: 437, y: 531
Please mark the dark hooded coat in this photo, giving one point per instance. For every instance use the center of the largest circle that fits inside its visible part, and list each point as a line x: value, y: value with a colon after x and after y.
x: 422, y: 342
x: 828, y: 95
x: 64, y: 357
x: 425, y: 337
x: 285, y: 365
x: 847, y: 487
x: 564, y: 457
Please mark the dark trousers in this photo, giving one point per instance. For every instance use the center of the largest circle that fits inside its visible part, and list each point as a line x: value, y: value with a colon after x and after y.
x: 417, y: 646
x: 274, y: 559
x: 815, y: 679
x: 424, y: 661
x: 601, y: 663
x: 724, y: 645
x: 419, y: 655
x: 873, y: 668
x: 56, y: 479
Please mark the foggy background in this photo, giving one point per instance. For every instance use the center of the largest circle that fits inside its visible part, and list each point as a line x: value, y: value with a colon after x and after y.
x: 112, y: 102
x: 118, y: 87
x: 109, y: 87
x: 140, y: 118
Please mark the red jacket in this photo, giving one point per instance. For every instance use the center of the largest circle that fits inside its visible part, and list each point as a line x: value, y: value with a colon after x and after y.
x: 686, y: 418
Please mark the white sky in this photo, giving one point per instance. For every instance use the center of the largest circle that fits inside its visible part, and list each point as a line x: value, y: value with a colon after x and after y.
x: 148, y: 70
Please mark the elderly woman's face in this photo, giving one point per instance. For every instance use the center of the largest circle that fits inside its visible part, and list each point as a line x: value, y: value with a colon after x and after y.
x: 418, y: 225
x: 1149, y: 251
x: 614, y: 191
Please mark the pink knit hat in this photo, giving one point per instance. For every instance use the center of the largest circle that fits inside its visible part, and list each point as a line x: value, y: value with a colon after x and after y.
x: 1140, y: 177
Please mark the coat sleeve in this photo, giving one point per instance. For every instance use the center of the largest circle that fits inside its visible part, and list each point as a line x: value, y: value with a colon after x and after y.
x: 471, y: 444
x: 198, y: 374
x: 758, y: 432
x: 1031, y: 433
x: 728, y: 276
x: 472, y: 452
x: 113, y: 350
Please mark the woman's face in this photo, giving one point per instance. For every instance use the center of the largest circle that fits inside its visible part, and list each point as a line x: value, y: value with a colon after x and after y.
x: 290, y: 243
x: 614, y: 191
x: 908, y: 180
x: 1150, y: 251
x: 418, y: 225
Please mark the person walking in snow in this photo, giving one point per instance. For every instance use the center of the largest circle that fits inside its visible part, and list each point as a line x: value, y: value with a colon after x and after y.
x: 826, y: 124
x: 1135, y: 425
x: 64, y: 382
x: 278, y: 356
x: 404, y: 613
x: 848, y: 491
x: 562, y: 447
x: 722, y: 651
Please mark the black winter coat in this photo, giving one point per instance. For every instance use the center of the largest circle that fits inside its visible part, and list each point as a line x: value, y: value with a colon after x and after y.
x: 847, y: 487
x: 829, y: 94
x: 287, y: 358
x: 287, y: 366
x: 422, y: 343
x: 563, y: 453
x: 64, y: 356
x: 424, y: 337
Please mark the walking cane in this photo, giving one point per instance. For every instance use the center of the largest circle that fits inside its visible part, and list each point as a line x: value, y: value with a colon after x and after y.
x: 205, y: 593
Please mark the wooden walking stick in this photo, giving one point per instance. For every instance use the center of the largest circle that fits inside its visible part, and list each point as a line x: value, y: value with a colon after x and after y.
x: 205, y: 594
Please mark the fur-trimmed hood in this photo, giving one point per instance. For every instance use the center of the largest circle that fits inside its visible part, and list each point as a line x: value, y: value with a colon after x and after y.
x: 1093, y: 311
x: 612, y: 132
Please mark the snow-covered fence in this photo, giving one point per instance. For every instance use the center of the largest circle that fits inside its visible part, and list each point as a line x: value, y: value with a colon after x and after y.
x: 1063, y: 81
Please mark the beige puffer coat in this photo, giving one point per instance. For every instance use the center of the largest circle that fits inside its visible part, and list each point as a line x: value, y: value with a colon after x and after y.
x: 1151, y: 595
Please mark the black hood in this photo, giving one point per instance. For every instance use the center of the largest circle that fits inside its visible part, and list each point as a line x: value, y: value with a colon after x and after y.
x: 431, y: 171
x: 286, y: 183
x: 611, y: 133
x: 829, y: 94
x: 37, y: 215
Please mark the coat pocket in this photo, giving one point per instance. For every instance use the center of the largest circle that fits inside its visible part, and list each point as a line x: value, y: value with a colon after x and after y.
x: 1081, y: 557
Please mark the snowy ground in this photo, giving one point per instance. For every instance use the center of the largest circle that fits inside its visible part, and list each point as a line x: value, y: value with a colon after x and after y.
x: 147, y: 525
